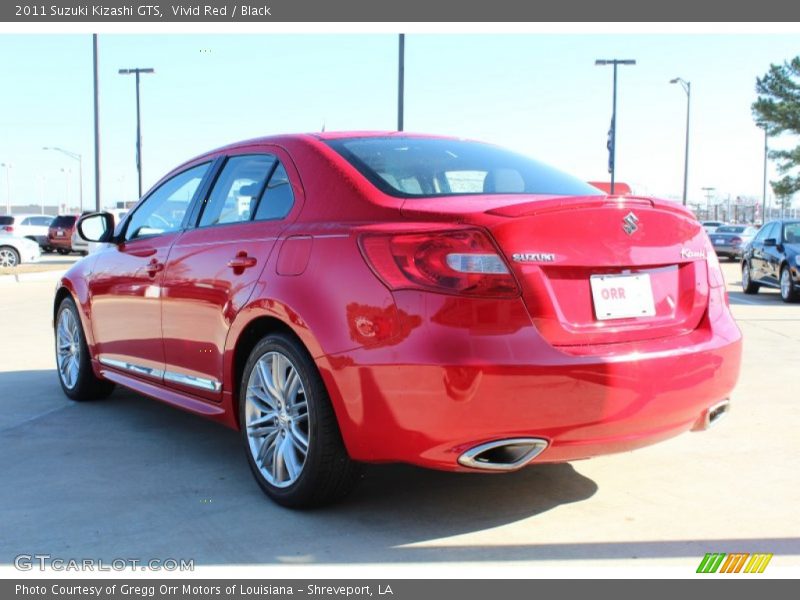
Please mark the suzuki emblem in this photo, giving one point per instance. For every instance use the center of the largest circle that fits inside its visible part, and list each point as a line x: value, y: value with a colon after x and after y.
x: 629, y: 223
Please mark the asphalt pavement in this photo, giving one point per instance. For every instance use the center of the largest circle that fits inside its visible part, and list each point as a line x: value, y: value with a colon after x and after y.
x: 130, y: 477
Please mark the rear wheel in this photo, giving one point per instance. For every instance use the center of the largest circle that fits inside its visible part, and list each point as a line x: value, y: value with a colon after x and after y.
x: 9, y: 257
x: 62, y: 250
x: 788, y: 293
x: 294, y: 447
x: 72, y: 357
x: 748, y: 287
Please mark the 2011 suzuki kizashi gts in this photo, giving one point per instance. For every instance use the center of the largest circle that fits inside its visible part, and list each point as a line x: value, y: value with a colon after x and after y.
x: 376, y: 297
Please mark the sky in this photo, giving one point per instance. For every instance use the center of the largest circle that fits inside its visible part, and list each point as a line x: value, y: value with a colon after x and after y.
x: 540, y: 94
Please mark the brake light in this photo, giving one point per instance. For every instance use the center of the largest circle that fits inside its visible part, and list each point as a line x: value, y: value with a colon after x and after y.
x: 8, y: 228
x: 736, y: 241
x: 462, y: 262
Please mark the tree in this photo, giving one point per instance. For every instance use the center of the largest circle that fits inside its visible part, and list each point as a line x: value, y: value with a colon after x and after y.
x: 777, y: 110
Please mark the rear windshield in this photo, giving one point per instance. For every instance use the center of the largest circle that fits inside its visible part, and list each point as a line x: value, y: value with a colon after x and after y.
x: 63, y: 222
x: 9, y: 220
x: 409, y: 167
x: 731, y: 229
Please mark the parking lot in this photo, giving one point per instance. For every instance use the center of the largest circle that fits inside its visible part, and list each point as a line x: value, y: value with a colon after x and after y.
x: 130, y: 477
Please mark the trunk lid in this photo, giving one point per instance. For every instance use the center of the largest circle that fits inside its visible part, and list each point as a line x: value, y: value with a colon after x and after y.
x: 602, y: 270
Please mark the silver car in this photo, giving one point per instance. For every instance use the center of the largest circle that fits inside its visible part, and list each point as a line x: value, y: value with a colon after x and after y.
x: 730, y: 240
x: 15, y: 250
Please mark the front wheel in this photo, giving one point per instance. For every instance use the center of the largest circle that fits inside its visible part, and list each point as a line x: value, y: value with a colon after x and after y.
x: 294, y: 447
x: 748, y: 286
x: 8, y: 257
x: 72, y: 357
x: 788, y: 293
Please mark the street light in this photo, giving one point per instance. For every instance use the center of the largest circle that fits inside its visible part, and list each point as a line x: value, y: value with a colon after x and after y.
x: 67, y: 173
x: 7, y: 167
x: 709, y: 194
x: 687, y: 87
x: 764, y: 191
x: 612, y: 133
x: 79, y: 158
x: 401, y: 76
x: 138, y: 71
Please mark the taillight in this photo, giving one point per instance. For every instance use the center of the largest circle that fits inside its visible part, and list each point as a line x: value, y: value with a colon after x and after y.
x: 736, y: 241
x: 456, y: 262
x: 8, y: 228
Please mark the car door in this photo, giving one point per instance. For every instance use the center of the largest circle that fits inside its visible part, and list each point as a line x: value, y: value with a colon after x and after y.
x: 126, y: 280
x: 771, y: 253
x: 757, y: 253
x: 214, y: 267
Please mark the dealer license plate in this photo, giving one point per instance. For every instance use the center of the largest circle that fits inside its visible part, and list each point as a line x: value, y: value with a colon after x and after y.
x: 622, y: 296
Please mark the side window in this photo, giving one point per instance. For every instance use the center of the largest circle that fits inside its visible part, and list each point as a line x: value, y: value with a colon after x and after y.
x: 774, y: 231
x: 278, y: 198
x: 237, y: 189
x: 164, y: 209
x: 42, y: 221
x: 762, y: 233
x: 27, y: 221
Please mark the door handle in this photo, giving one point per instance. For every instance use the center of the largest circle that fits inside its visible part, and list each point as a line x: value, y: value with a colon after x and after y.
x: 242, y: 261
x: 154, y: 266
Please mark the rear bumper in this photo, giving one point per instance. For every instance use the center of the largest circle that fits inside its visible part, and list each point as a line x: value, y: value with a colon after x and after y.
x: 441, y: 391
x: 59, y: 242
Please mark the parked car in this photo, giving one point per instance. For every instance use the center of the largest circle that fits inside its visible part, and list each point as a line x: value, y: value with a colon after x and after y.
x: 730, y: 240
x: 772, y: 260
x: 83, y: 247
x: 59, y: 235
x: 711, y: 226
x: 15, y: 250
x: 33, y: 227
x: 349, y: 298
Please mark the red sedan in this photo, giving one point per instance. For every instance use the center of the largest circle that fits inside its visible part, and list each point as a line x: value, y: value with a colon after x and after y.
x: 379, y: 297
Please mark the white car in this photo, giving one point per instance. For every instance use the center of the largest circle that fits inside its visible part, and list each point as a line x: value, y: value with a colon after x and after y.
x: 33, y: 227
x: 711, y: 226
x: 15, y: 250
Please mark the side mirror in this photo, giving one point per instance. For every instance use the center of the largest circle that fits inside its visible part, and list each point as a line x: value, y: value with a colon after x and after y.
x: 96, y: 227
x: 770, y: 242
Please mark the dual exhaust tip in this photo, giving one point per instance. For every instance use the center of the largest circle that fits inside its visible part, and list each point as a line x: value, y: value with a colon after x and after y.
x: 503, y: 455
x: 515, y: 453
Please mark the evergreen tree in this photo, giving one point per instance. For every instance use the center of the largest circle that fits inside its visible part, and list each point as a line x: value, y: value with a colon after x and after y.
x: 778, y: 110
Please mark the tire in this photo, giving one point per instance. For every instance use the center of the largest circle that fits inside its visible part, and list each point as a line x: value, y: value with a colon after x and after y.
x: 303, y: 421
x: 73, y: 363
x: 62, y: 251
x: 9, y: 257
x: 748, y: 287
x: 788, y: 293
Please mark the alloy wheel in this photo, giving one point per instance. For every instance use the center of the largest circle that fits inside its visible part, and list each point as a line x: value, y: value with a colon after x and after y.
x: 276, y: 419
x: 786, y: 284
x: 8, y: 258
x: 68, y: 348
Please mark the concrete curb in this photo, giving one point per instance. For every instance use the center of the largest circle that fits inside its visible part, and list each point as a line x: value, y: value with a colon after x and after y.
x: 37, y: 276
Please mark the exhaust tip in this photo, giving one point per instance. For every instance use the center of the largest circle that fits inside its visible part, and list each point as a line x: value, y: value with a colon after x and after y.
x: 503, y: 455
x: 716, y: 412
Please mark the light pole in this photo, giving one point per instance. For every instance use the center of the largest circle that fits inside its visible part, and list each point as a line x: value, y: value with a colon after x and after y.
x: 687, y: 87
x: 66, y: 172
x: 401, y: 76
x: 612, y: 134
x: 79, y: 158
x: 709, y: 193
x: 764, y: 189
x: 138, y: 71
x: 7, y: 167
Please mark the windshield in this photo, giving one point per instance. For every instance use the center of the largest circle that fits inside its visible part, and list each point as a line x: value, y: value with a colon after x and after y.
x: 731, y: 229
x: 409, y: 167
x: 63, y: 221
